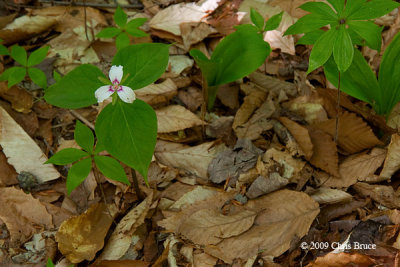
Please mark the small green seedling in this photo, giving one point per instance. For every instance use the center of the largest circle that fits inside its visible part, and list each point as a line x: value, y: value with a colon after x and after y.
x: 16, y: 74
x: 124, y: 29
x: 127, y: 127
x: 3, y: 49
x: 260, y: 23
x: 51, y: 264
x: 236, y: 56
x: 84, y: 158
x: 350, y: 24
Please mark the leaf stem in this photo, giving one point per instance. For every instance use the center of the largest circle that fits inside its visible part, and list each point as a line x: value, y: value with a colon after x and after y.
x: 337, y: 113
x: 136, y: 185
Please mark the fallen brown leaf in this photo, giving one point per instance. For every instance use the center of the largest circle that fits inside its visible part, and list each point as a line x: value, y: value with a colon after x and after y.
x: 154, y: 94
x: 194, y: 32
x: 121, y: 263
x: 8, y: 175
x: 250, y: 104
x: 20, y: 99
x: 301, y: 135
x: 382, y: 194
x: 326, y: 195
x: 354, y: 134
x: 273, y: 84
x: 342, y: 259
x: 174, y: 118
x: 81, y: 237
x: 392, y: 161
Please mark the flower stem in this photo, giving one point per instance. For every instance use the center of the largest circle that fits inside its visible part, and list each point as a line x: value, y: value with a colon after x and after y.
x: 337, y: 113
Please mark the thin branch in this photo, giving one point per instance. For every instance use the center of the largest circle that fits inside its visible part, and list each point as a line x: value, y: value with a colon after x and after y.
x: 83, y: 119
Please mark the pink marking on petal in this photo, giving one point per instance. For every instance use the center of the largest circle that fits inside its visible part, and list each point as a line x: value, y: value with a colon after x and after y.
x: 115, y: 81
x: 120, y: 89
x: 110, y: 88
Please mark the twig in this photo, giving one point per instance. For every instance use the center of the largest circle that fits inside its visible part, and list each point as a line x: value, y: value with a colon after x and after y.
x: 83, y: 119
x: 337, y: 113
x: 85, y: 19
x: 136, y: 185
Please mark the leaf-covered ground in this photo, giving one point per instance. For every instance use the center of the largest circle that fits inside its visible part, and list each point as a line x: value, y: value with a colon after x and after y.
x: 259, y: 181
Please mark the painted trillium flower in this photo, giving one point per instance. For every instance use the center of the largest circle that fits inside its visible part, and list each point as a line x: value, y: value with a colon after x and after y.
x: 124, y: 92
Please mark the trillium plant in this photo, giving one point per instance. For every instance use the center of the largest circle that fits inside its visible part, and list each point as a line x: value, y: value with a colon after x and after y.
x: 126, y: 128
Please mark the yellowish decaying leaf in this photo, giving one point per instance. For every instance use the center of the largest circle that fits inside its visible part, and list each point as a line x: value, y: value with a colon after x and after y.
x: 157, y: 93
x: 174, y: 118
x: 301, y: 135
x: 22, y: 214
x: 121, y: 238
x: 80, y: 237
x: 326, y: 195
x: 392, y: 161
x: 192, y: 159
x: 309, y: 107
x: 22, y: 152
x: 177, y: 64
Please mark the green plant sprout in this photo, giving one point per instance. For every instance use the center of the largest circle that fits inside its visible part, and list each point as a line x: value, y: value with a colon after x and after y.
x: 124, y: 29
x: 16, y: 74
x: 126, y: 128
x: 84, y: 159
x: 237, y: 55
x: 3, y: 49
x: 350, y: 24
x: 51, y: 264
x: 360, y: 81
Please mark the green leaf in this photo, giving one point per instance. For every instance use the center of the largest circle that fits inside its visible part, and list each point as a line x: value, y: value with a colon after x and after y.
x: 67, y: 156
x: 108, y: 32
x: 132, y: 27
x: 310, y: 38
x: 38, y: 56
x: 320, y: 8
x: 4, y: 76
x: 38, y: 77
x: 257, y: 19
x: 373, y: 9
x: 129, y: 133
x: 84, y: 137
x: 273, y: 22
x: 122, y: 41
x: 18, y: 53
x: 352, y: 6
x: 389, y: 73
x: 358, y: 81
x: 308, y: 23
x: 111, y: 169
x: 76, y: 89
x: 4, y: 50
x: 78, y: 173
x: 144, y: 62
x: 16, y: 76
x: 343, y: 49
x: 49, y: 263
x: 369, y: 31
x: 338, y: 5
x: 322, y: 50
x: 56, y: 76
x: 120, y: 17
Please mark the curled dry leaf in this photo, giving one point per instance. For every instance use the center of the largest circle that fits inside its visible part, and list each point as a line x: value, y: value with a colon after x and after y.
x: 301, y: 136
x: 154, y: 94
x: 192, y: 98
x: 382, y: 194
x: 80, y: 237
x: 176, y: 65
x: 194, y: 32
x: 392, y: 161
x: 272, y: 84
x: 354, y: 134
x: 25, y: 27
x: 174, y: 118
x: 22, y: 152
x: 258, y: 123
x: 121, y: 238
x: 325, y: 154
x: 191, y: 159
x: 250, y: 104
x: 342, y: 259
x: 8, y: 175
x: 263, y: 185
x: 359, y: 167
x: 291, y: 166
x: 326, y: 195
x: 22, y: 214
x: 20, y: 99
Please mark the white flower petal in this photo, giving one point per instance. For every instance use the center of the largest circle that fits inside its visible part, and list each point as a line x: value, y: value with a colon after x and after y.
x: 103, y: 93
x: 116, y: 74
x: 126, y: 94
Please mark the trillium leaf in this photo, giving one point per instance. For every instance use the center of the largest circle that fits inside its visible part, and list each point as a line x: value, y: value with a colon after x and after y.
x: 129, y: 133
x: 144, y: 62
x: 67, y: 156
x: 343, y: 49
x: 78, y: 173
x: 84, y: 137
x: 111, y: 169
x: 76, y: 89
x: 37, y: 56
x: 322, y: 50
x: 369, y: 31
